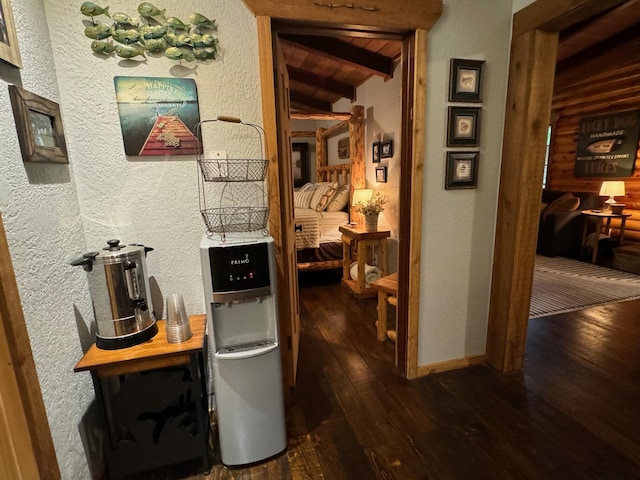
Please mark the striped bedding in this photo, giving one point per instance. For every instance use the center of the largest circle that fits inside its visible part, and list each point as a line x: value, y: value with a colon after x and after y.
x: 313, y: 228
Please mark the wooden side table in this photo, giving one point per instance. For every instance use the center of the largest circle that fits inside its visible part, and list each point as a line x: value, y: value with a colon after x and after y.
x: 387, y: 288
x: 601, y: 215
x: 356, y: 242
x: 155, y: 401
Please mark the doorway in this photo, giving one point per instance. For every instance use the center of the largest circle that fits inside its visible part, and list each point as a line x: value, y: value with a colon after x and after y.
x: 415, y: 20
x: 532, y: 69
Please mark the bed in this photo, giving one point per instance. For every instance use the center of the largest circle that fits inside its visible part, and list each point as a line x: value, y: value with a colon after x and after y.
x: 318, y: 215
x: 320, y: 208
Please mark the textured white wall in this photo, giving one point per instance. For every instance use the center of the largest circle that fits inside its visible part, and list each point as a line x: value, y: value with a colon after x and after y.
x: 459, y: 225
x: 153, y: 201
x: 43, y: 225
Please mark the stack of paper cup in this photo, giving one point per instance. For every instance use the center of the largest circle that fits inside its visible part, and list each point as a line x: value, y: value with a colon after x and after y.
x: 178, y: 326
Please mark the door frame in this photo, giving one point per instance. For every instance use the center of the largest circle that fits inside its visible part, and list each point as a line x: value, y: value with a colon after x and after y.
x: 27, y: 446
x: 385, y: 15
x: 534, y: 46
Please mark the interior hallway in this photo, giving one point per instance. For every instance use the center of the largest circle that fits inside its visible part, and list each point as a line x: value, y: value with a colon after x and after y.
x: 573, y: 413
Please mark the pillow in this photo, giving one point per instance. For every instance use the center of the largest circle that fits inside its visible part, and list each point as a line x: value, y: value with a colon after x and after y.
x: 565, y: 203
x: 340, y: 199
x: 302, y: 198
x: 323, y: 195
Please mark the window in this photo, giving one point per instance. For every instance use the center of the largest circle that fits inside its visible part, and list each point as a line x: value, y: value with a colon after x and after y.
x: 547, y: 154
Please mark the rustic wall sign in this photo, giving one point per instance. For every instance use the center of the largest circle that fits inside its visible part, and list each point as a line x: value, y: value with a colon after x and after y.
x: 607, y: 145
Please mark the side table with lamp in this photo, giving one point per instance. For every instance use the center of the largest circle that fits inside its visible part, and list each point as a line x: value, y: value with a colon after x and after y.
x: 613, y: 189
x: 612, y: 210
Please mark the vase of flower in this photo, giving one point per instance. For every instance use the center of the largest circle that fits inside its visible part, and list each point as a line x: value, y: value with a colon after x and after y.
x: 371, y: 210
x: 371, y: 222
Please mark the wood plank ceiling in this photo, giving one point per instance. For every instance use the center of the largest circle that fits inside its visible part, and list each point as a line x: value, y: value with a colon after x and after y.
x: 599, y: 45
x: 325, y: 69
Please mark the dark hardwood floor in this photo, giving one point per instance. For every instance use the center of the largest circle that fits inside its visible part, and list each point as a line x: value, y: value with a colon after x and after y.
x: 573, y: 413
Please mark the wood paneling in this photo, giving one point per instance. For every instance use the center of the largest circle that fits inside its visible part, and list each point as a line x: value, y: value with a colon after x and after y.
x: 618, y: 91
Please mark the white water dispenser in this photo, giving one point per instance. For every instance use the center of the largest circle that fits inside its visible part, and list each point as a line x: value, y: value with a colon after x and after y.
x: 240, y: 292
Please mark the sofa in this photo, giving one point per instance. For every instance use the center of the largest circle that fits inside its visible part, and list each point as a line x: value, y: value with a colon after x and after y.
x: 561, y: 222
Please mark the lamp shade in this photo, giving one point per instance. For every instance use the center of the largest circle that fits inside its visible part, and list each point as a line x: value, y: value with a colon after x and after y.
x: 362, y: 195
x: 612, y: 189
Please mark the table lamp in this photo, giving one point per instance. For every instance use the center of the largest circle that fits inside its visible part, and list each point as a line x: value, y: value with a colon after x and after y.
x: 611, y: 190
x: 361, y: 195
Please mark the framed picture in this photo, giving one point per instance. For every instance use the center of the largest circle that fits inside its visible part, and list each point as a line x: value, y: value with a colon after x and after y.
x: 9, y: 51
x: 463, y: 127
x: 386, y: 149
x: 465, y: 80
x: 343, y: 147
x: 171, y: 130
x: 381, y: 174
x: 39, y: 127
x: 461, y: 170
x: 375, y: 152
x: 300, y: 163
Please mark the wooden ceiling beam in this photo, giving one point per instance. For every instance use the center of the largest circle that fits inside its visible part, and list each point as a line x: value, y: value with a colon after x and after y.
x: 321, y: 116
x: 320, y: 82
x: 600, y: 29
x: 359, y: 58
x: 302, y: 100
x: 617, y: 51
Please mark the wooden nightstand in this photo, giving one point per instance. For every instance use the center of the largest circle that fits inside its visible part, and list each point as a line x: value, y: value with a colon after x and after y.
x: 357, y: 246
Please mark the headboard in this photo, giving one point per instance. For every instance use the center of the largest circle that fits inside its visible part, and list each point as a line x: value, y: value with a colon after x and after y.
x: 335, y: 173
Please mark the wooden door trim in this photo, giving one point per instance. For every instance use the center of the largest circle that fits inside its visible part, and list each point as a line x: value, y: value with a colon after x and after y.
x: 406, y: 15
x: 30, y: 427
x: 556, y: 15
x: 528, y: 110
x: 412, y: 229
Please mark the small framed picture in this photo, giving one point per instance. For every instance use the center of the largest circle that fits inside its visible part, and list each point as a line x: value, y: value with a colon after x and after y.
x: 465, y: 80
x: 461, y: 170
x: 343, y: 147
x: 463, y: 127
x: 381, y: 174
x: 39, y: 127
x: 375, y: 152
x: 386, y: 149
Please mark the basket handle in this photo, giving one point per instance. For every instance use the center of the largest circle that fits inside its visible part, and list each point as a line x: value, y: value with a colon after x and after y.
x: 227, y: 118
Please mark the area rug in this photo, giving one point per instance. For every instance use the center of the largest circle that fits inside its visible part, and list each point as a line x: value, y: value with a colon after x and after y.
x: 563, y: 285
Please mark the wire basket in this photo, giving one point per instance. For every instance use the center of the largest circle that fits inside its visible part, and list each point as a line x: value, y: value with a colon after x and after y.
x: 241, y: 200
x: 233, y: 170
x: 235, y: 219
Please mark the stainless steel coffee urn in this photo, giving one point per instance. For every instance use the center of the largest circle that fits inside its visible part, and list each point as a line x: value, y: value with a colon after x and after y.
x: 119, y: 288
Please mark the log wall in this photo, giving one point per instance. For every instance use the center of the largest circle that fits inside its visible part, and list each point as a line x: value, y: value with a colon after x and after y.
x: 606, y: 93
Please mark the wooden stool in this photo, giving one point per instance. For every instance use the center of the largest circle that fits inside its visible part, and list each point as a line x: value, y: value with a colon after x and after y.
x: 387, y: 288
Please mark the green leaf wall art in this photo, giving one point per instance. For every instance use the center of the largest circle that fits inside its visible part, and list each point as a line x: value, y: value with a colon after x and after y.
x: 151, y: 31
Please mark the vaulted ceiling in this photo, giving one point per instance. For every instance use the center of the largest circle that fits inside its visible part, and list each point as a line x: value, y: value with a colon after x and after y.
x: 328, y: 65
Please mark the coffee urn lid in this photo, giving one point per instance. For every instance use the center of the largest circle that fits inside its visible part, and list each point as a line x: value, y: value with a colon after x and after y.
x: 114, y: 250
